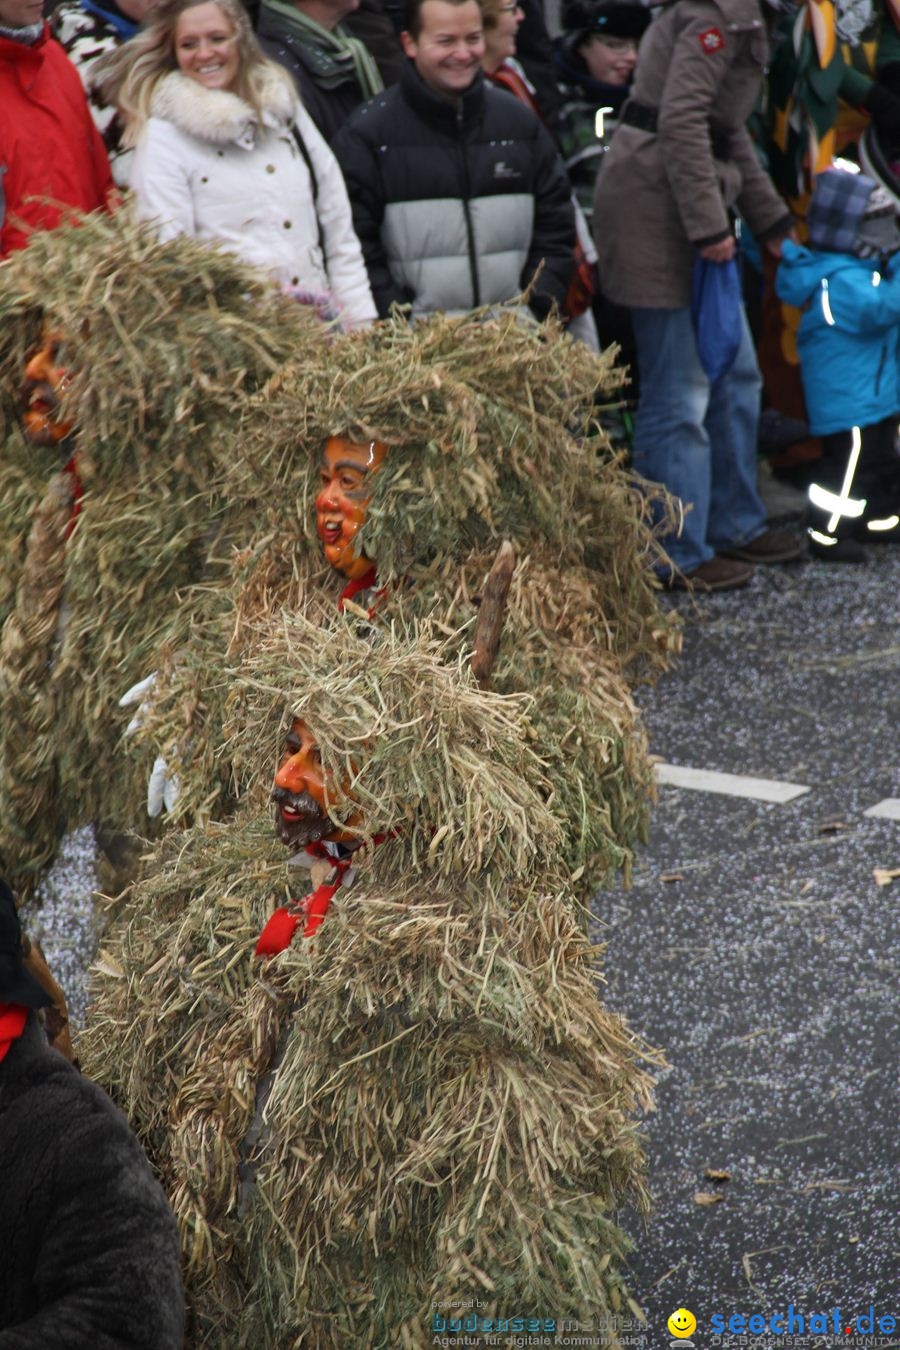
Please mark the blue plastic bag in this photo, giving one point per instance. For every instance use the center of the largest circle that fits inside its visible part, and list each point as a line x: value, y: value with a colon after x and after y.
x: 716, y: 314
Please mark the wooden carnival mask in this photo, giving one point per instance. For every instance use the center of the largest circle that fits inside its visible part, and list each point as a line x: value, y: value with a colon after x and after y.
x: 342, y: 504
x: 46, y: 377
x: 301, y: 793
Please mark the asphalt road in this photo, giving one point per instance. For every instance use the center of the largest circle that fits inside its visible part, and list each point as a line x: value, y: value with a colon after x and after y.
x: 757, y: 949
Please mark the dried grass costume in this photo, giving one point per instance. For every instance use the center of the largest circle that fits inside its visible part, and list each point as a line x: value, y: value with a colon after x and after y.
x: 425, y: 1100
x: 203, y: 400
x: 431, y: 1089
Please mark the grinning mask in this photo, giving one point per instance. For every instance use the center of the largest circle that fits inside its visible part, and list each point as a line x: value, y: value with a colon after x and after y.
x: 347, y: 471
x: 46, y: 377
x: 299, y: 794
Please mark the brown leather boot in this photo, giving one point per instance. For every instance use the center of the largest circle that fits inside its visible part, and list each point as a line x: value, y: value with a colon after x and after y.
x: 774, y: 546
x: 718, y: 574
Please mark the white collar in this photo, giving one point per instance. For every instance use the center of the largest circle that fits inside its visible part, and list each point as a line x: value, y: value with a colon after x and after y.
x: 217, y: 115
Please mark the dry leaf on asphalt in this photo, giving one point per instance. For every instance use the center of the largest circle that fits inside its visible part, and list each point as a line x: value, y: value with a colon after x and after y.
x: 708, y: 1197
x: 671, y: 876
x: 883, y: 875
x: 717, y: 1174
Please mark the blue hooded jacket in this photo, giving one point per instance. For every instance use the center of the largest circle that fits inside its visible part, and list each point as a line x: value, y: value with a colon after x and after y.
x: 849, y: 336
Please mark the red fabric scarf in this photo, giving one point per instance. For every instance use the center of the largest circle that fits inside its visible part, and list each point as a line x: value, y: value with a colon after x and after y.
x: 353, y: 588
x: 279, y: 931
x: 12, y: 1023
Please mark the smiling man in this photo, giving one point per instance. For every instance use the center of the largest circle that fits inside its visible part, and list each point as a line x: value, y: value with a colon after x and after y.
x: 51, y: 155
x: 458, y: 194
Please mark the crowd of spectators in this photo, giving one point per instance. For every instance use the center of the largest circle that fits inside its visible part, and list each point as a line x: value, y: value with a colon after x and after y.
x: 448, y: 155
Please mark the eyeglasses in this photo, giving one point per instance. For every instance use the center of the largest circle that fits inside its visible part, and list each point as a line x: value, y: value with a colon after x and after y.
x: 616, y: 44
x: 509, y: 9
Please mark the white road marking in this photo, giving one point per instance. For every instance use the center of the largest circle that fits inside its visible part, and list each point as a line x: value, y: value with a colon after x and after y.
x: 889, y: 808
x: 728, y: 784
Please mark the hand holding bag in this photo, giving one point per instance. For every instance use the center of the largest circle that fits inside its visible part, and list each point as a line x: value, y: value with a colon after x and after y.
x: 716, y: 307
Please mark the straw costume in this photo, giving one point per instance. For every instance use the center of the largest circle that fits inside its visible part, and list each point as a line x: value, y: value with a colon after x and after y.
x: 425, y: 1100
x: 165, y: 342
x: 489, y: 435
x: 198, y: 442
x: 429, y: 1088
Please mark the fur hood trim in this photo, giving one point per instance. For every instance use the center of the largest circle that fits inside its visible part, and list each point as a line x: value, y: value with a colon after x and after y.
x: 215, y: 115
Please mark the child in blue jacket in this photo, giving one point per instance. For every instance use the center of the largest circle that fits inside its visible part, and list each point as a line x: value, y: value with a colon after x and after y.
x: 848, y: 283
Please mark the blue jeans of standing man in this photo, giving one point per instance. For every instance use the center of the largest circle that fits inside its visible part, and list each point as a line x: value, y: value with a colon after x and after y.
x: 698, y: 439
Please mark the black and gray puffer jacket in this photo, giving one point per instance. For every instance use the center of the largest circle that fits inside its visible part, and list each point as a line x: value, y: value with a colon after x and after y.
x: 456, y: 202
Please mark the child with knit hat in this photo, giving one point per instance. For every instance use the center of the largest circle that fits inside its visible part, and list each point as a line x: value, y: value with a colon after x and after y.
x: 847, y: 281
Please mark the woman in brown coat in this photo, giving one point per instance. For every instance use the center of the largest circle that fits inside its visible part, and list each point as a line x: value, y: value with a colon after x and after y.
x: 681, y: 162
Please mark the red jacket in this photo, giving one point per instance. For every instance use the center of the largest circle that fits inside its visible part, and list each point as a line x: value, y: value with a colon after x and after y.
x: 49, y: 146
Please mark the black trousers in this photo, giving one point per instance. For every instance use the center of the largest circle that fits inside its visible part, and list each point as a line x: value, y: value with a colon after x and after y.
x: 877, y: 473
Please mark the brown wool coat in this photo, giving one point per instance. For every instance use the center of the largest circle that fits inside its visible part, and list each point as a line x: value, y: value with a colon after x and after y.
x: 660, y: 197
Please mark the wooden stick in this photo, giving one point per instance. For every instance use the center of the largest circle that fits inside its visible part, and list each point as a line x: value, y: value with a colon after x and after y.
x: 492, y: 614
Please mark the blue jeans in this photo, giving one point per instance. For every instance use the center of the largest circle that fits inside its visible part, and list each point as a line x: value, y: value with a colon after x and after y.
x: 698, y: 439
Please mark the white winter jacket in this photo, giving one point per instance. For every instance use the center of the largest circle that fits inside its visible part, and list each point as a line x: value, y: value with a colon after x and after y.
x: 206, y: 167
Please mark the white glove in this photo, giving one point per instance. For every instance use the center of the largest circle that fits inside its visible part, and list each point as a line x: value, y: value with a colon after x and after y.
x: 163, y: 788
x: 163, y: 785
x: 136, y: 694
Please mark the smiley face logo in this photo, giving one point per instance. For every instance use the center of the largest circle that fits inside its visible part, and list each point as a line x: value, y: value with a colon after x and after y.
x: 682, y: 1323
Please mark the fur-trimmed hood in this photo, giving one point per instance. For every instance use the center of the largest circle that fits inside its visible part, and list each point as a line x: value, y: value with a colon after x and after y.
x: 217, y: 116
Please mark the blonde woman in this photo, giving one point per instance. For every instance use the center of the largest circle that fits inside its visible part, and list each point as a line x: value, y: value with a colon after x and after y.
x: 224, y: 151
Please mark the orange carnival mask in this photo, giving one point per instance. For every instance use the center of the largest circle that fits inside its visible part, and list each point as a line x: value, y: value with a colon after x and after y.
x: 342, y: 504
x: 46, y: 378
x: 300, y: 792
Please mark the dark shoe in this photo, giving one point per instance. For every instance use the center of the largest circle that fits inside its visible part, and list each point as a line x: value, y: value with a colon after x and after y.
x: 843, y: 550
x: 718, y: 574
x: 775, y: 546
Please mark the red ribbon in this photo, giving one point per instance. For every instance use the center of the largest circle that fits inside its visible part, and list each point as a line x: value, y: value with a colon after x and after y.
x: 364, y: 583
x: 278, y: 933
x: 12, y: 1023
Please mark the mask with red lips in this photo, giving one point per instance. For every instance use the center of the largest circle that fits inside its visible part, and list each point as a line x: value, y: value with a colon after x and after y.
x: 299, y: 794
x: 46, y: 378
x: 342, y: 504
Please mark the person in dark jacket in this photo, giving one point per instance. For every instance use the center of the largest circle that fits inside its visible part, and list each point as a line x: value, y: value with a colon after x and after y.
x: 89, y: 1249
x: 459, y: 196
x: 534, y: 52
x: 334, y: 71
x: 373, y: 24
x: 595, y: 60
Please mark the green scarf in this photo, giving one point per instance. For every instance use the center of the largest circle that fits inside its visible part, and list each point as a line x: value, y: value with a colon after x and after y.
x: 338, y: 54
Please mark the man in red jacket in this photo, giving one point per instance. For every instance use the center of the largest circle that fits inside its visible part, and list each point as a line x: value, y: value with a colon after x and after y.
x: 51, y: 156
